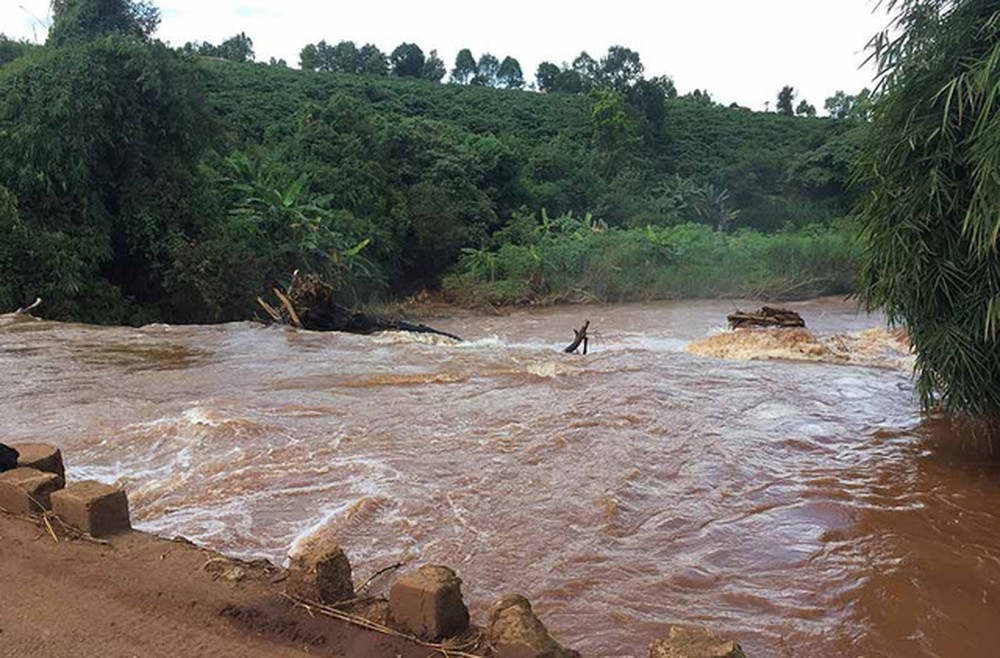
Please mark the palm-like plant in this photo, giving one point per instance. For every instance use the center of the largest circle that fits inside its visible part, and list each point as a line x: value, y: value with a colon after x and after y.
x: 932, y: 218
x: 298, y: 226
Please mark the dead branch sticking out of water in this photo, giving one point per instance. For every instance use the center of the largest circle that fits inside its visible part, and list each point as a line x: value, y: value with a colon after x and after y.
x: 580, y: 337
x: 309, y: 304
x: 766, y: 317
x: 24, y: 310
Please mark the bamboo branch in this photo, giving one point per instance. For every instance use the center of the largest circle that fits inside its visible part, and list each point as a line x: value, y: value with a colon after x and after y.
x: 288, y: 307
x: 270, y: 310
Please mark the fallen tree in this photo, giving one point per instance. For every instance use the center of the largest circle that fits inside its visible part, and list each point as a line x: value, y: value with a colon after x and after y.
x: 766, y: 317
x: 309, y: 304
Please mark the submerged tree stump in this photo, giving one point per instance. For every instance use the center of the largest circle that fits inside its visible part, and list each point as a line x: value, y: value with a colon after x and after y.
x: 766, y: 317
x: 309, y: 304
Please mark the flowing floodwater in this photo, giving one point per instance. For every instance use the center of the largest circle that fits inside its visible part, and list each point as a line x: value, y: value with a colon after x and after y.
x: 802, y: 507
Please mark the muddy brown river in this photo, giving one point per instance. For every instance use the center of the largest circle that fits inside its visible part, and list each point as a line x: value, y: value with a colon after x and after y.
x: 804, y: 508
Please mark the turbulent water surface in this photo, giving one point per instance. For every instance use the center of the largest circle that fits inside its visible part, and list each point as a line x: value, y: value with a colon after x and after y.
x: 802, y: 507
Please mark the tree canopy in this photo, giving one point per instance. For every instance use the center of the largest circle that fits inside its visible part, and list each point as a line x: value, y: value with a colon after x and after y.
x: 785, y: 99
x: 82, y: 20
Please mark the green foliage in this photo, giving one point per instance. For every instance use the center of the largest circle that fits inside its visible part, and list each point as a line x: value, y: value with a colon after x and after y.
x: 929, y: 224
x: 237, y: 48
x: 582, y: 259
x: 97, y: 143
x: 77, y: 21
x: 547, y: 76
x: 509, y: 74
x: 620, y: 70
x: 407, y: 61
x: 805, y: 109
x: 646, y: 139
x: 613, y: 130
x: 11, y: 50
x: 141, y: 184
x: 434, y: 69
x: 465, y: 67
x: 344, y: 57
x: 785, y: 99
x: 487, y: 69
x: 846, y: 106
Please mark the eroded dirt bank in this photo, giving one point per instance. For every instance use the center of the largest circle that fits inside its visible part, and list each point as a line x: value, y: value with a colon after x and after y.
x: 144, y: 596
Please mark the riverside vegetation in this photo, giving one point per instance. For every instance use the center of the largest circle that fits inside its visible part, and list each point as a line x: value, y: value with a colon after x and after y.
x: 144, y: 183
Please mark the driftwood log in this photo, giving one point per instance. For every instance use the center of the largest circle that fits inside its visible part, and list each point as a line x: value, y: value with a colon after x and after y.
x: 309, y: 304
x: 766, y: 317
x: 579, y: 338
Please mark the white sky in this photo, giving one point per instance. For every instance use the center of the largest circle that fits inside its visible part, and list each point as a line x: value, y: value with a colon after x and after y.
x: 739, y: 50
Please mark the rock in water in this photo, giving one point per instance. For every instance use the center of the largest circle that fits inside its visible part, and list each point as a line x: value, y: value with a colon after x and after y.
x: 515, y: 632
x: 684, y: 642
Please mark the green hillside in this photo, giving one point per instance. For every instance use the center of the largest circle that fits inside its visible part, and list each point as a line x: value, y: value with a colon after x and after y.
x: 140, y: 183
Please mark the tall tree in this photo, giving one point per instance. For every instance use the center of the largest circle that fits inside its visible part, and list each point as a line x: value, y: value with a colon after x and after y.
x: 238, y: 48
x: 465, y: 67
x: 346, y: 58
x: 847, y: 106
x: 434, y: 69
x: 666, y: 85
x: 486, y: 71
x: 621, y: 68
x: 82, y: 20
x: 509, y: 74
x: 309, y: 57
x: 373, y: 61
x: 407, y: 61
x: 929, y: 224
x: 785, y: 98
x: 587, y: 69
x: 805, y: 109
x: 546, y: 76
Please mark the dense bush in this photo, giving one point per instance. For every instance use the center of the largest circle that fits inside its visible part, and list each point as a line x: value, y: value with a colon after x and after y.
x: 570, y: 259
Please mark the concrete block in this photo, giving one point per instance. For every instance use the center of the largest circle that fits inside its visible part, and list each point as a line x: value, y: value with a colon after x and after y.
x: 320, y: 571
x: 40, y: 456
x: 28, y: 490
x: 687, y: 642
x: 97, y: 509
x: 515, y: 632
x: 428, y: 603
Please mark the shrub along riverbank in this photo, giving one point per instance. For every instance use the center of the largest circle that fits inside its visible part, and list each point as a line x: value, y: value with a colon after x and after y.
x: 574, y: 260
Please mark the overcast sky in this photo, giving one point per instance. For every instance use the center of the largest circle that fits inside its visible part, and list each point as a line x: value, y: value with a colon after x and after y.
x: 739, y: 50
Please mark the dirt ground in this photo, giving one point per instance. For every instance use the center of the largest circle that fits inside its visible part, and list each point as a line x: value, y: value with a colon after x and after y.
x: 144, y: 596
